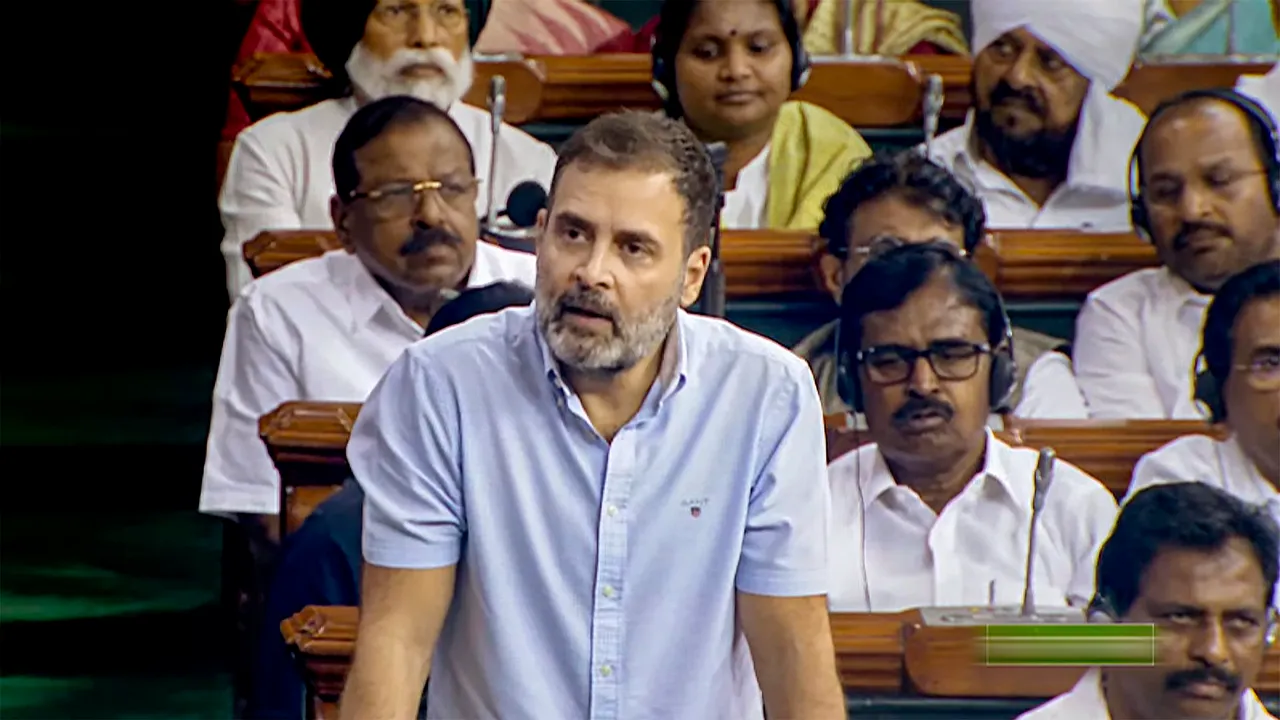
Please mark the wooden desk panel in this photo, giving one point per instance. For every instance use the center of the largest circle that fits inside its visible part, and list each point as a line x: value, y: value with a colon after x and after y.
x: 1023, y: 264
x: 1105, y: 449
x: 867, y: 92
x: 876, y: 653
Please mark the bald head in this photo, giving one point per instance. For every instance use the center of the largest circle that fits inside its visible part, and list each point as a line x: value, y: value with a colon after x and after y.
x: 1204, y: 186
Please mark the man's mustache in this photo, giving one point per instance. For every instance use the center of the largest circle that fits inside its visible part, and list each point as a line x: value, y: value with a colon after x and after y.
x: 1214, y: 674
x: 425, y: 238
x: 1004, y: 91
x: 1183, y: 238
x: 590, y: 302
x: 918, y: 404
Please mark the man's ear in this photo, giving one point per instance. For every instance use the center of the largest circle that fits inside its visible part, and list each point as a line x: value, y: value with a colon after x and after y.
x: 341, y: 219
x: 831, y: 268
x: 695, y: 272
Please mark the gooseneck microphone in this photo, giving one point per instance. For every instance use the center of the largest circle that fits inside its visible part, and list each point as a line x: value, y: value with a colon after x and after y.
x: 933, y: 101
x: 1043, y: 478
x: 712, y: 301
x: 497, y: 108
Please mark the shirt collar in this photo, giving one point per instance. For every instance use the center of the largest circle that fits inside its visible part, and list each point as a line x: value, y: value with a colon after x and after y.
x: 1181, y: 291
x: 673, y: 371
x: 994, y: 468
x: 1096, y: 161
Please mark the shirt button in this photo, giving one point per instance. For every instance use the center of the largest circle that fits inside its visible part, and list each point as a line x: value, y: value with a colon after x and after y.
x: 606, y: 670
x: 612, y: 510
x: 608, y: 591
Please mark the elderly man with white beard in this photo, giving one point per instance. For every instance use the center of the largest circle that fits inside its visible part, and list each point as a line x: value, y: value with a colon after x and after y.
x: 278, y: 177
x: 1046, y: 143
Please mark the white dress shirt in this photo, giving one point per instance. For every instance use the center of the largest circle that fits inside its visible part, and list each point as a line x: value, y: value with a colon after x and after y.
x: 1085, y: 701
x: 1263, y: 88
x: 1095, y: 195
x: 280, y: 175
x: 746, y: 204
x: 1050, y: 390
x: 1135, y: 348
x: 890, y: 552
x: 318, y: 329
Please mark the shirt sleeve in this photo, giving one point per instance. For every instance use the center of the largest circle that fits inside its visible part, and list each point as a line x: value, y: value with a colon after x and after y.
x: 1111, y: 366
x: 405, y: 453
x: 1050, y: 391
x: 254, y: 378
x: 784, y: 548
x: 1096, y: 513
x: 256, y: 196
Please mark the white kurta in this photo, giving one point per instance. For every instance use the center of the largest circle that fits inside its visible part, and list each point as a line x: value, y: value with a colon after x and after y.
x: 1085, y: 701
x: 1135, y: 347
x: 280, y: 176
x: 746, y: 205
x: 890, y: 552
x: 1095, y: 196
x: 318, y: 329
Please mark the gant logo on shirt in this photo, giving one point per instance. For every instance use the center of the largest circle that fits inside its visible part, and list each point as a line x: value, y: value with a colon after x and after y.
x: 695, y: 505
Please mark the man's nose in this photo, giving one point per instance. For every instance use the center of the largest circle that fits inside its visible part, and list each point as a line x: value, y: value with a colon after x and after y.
x: 424, y: 31
x: 923, y: 380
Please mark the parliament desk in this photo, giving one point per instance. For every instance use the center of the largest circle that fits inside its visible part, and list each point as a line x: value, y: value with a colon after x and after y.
x: 1023, y: 264
x: 885, y: 660
x: 307, y: 442
x: 867, y: 92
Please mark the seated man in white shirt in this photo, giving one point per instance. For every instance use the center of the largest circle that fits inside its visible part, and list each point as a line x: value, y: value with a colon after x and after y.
x: 1207, y: 195
x: 1240, y: 385
x: 327, y: 328
x: 937, y: 511
x: 1045, y: 143
x: 1200, y: 565
x: 905, y: 198
x: 278, y: 175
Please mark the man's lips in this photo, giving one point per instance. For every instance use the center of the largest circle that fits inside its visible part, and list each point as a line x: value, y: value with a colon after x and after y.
x: 420, y: 70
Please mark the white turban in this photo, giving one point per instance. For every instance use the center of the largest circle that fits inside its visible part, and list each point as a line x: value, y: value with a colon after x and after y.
x: 1099, y: 38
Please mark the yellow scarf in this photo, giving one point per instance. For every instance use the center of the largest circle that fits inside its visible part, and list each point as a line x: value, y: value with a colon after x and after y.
x: 884, y: 27
x: 810, y: 153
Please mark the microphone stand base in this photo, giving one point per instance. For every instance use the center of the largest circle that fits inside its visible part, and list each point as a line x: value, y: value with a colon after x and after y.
x: 1000, y: 615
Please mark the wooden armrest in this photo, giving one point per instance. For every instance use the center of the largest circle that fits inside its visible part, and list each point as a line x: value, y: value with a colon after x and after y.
x: 273, y: 249
x: 1037, y: 264
x: 1150, y: 84
x: 1105, y: 449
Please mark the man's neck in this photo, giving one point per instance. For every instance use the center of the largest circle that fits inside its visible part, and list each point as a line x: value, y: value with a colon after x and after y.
x: 1038, y: 189
x: 420, y: 306
x: 611, y: 400
x: 938, y: 482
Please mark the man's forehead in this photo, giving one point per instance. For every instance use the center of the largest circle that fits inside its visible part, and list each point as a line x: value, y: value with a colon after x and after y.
x: 893, y: 215
x: 935, y: 310
x: 1225, y: 577
x: 1259, y: 322
x: 1201, y: 133
x: 619, y: 200
x: 430, y: 147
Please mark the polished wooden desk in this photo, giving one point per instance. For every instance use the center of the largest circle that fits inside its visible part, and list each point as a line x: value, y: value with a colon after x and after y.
x: 1023, y: 264
x: 876, y: 654
x: 1105, y: 449
x: 867, y: 92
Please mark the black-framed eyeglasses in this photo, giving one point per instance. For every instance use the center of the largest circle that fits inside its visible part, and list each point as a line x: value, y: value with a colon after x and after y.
x: 950, y: 360
x: 882, y: 244
x: 1262, y: 373
x: 400, y: 200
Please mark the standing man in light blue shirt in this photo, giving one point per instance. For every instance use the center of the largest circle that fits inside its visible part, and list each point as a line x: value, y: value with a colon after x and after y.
x: 600, y: 506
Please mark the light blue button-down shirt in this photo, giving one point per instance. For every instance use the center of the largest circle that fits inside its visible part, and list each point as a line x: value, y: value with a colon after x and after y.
x: 595, y: 579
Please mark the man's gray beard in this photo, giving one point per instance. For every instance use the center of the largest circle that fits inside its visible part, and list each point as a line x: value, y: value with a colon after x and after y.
x: 631, y: 342
x: 378, y: 78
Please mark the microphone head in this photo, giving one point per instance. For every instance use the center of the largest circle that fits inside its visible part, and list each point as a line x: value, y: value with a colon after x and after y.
x: 497, y: 95
x: 524, y: 202
x: 1044, y: 474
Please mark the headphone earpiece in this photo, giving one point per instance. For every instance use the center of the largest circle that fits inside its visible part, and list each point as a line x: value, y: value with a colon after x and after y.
x: 1272, y: 632
x: 1207, y: 392
x: 1259, y: 116
x: 1101, y: 610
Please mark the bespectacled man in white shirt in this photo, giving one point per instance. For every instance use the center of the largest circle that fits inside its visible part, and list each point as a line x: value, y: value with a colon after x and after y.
x: 327, y: 328
x: 1201, y: 566
x: 937, y: 511
x: 1240, y: 386
x: 1206, y: 195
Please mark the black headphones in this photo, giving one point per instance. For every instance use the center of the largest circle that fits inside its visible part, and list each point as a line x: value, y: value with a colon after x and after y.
x: 1004, y: 370
x: 664, y: 48
x: 1102, y: 610
x: 1258, y: 116
x: 1207, y: 391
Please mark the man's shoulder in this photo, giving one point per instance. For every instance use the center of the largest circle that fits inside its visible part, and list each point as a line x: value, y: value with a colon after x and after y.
x: 473, y: 120
x: 724, y: 349
x: 1190, y: 458
x: 1071, y: 485
x: 948, y: 146
x: 1129, y: 288
x: 511, y: 265
x: 325, y: 118
x: 482, y: 344
x: 309, y: 280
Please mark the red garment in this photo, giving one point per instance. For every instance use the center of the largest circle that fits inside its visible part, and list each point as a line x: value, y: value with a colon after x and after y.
x: 276, y: 28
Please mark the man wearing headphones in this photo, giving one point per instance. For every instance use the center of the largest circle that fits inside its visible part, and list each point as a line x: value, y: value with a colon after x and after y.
x: 1241, y: 371
x: 1205, y: 191
x: 278, y: 175
x: 937, y: 510
x: 905, y: 197
x: 727, y: 67
x: 1201, y: 566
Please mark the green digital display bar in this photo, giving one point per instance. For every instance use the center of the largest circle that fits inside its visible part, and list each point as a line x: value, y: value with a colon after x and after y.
x: 1081, y: 645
